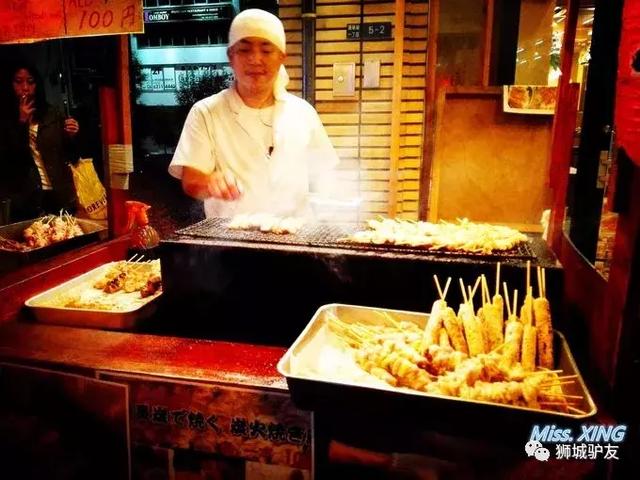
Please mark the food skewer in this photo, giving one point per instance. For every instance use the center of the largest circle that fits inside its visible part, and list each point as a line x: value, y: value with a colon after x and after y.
x: 542, y: 315
x: 436, y: 318
x: 513, y: 332
x: 471, y: 324
x: 526, y: 312
x: 438, y: 363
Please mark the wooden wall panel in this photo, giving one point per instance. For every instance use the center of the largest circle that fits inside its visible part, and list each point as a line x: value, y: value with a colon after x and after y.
x: 489, y: 166
x: 360, y: 127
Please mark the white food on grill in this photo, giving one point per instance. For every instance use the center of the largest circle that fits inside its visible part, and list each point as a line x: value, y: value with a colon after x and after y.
x: 266, y: 222
x: 462, y: 236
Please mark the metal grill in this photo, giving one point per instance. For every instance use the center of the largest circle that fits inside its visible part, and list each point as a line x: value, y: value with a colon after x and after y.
x: 521, y: 251
x: 313, y: 234
x: 329, y: 236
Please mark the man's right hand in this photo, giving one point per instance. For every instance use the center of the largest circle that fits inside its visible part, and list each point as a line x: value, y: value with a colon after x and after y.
x: 217, y: 185
x: 225, y: 187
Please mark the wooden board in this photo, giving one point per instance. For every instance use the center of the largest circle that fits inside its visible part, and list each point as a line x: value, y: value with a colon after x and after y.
x: 489, y: 166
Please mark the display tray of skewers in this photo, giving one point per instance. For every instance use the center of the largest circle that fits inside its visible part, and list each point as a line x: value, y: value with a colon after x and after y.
x: 393, y: 235
x: 38, y: 238
x: 495, y: 359
x: 116, y: 295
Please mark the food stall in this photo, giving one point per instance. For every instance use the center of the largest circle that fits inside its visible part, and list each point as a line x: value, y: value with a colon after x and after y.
x: 263, y: 347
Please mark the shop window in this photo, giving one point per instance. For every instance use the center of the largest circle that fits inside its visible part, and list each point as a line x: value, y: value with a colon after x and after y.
x: 461, y: 38
x: 590, y: 222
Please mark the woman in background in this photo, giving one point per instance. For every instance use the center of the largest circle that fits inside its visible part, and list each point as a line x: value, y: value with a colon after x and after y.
x: 37, y: 144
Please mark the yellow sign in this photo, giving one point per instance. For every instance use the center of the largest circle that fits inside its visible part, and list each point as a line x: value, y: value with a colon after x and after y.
x: 102, y: 17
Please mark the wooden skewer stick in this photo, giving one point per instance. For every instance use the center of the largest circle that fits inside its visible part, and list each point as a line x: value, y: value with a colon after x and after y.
x: 539, y: 281
x: 475, y: 287
x: 464, y: 293
x: 528, y: 276
x: 566, y: 404
x: 545, y: 372
x: 498, y: 279
x: 577, y: 397
x: 515, y: 302
x: 565, y: 377
x: 576, y: 410
x: 471, y: 299
x: 390, y: 319
x: 506, y: 298
x: 435, y: 279
x: 486, y: 286
x: 545, y: 385
x: 446, y: 288
x: 544, y: 283
x: 486, y: 296
x: 483, y: 293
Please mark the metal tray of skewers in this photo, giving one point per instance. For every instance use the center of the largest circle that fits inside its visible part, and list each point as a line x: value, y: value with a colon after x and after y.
x: 113, y: 296
x: 33, y: 240
x: 325, y: 370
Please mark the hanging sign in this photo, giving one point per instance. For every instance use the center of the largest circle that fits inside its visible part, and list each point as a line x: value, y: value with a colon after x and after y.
x: 103, y: 17
x: 25, y: 21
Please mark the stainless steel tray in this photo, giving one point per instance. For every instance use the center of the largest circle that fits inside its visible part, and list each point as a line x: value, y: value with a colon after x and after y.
x: 314, y: 386
x: 92, y: 232
x: 123, y: 319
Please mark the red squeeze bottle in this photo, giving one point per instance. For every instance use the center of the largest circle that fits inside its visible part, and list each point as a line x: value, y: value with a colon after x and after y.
x: 144, y: 238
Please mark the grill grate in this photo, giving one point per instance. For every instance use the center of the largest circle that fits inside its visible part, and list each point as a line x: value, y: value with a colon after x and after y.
x: 329, y: 236
x: 312, y: 234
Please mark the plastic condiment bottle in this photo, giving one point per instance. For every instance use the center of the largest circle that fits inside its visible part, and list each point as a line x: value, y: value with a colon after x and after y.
x: 144, y: 238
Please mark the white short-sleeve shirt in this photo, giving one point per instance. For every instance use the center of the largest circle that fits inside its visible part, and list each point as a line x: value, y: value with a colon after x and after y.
x: 220, y: 134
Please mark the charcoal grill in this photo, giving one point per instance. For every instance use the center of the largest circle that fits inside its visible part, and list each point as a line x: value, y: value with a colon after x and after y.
x: 269, y: 285
x: 331, y: 236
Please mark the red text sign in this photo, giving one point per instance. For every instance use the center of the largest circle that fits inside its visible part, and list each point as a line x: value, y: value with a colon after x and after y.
x: 31, y: 20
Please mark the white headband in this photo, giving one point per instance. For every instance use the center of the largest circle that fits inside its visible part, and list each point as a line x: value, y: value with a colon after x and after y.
x: 258, y: 23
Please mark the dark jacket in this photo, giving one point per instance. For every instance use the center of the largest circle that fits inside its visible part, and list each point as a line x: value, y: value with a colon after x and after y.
x: 19, y: 177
